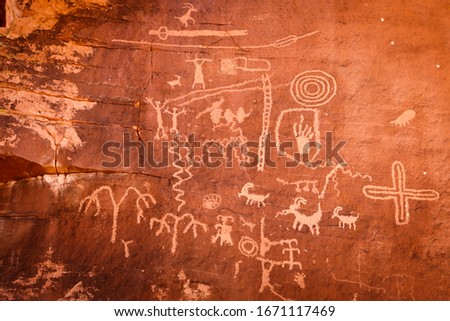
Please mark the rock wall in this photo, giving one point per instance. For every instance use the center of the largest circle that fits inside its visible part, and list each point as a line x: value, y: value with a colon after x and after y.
x: 156, y: 150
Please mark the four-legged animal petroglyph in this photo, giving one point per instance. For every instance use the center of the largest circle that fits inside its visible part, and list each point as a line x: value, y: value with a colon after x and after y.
x: 175, y: 82
x: 184, y: 19
x: 404, y: 118
x: 311, y: 221
x: 252, y: 198
x: 344, y: 220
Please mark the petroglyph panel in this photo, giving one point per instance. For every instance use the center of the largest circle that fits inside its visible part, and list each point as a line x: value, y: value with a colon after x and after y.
x: 224, y: 150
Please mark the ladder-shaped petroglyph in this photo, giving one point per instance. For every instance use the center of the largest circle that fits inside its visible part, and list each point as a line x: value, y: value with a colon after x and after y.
x: 332, y: 177
x: 93, y: 199
x: 175, y: 113
x: 175, y: 82
x: 345, y: 220
x: 160, y: 131
x: 211, y: 201
x: 268, y: 104
x: 199, y: 78
x: 165, y: 224
x: 231, y: 66
x: 404, y: 118
x: 251, y: 197
x: 250, y: 248
x: 126, y: 247
x: 311, y: 221
x: 399, y: 193
x: 303, y: 185
x: 184, y: 19
x: 224, y: 229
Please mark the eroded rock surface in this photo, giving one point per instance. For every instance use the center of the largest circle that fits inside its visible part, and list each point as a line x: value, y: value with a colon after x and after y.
x: 96, y: 204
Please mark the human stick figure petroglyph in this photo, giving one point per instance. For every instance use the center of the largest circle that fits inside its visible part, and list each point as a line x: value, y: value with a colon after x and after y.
x: 251, y: 198
x: 311, y: 221
x: 404, y: 118
x: 399, y: 193
x: 199, y: 79
x: 94, y: 199
x: 164, y: 224
x: 184, y: 19
x: 268, y: 104
x: 224, y: 229
x: 160, y: 132
x: 344, y: 220
x: 175, y: 113
x: 249, y: 248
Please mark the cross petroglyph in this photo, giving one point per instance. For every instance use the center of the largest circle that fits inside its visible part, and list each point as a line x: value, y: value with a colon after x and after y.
x: 399, y: 193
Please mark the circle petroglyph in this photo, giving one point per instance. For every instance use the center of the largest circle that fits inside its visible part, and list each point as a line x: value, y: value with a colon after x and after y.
x: 313, y: 88
x: 248, y: 246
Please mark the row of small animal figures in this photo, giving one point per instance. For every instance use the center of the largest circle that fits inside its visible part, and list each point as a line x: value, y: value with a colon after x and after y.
x: 312, y: 221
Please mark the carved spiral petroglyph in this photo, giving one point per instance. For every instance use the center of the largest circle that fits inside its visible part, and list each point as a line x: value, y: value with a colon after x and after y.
x: 313, y: 88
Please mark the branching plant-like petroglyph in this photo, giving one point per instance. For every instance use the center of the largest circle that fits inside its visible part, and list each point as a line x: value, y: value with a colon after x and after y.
x: 170, y: 222
x: 94, y: 199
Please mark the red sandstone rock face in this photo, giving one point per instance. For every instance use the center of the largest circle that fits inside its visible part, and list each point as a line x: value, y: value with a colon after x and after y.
x: 77, y: 76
